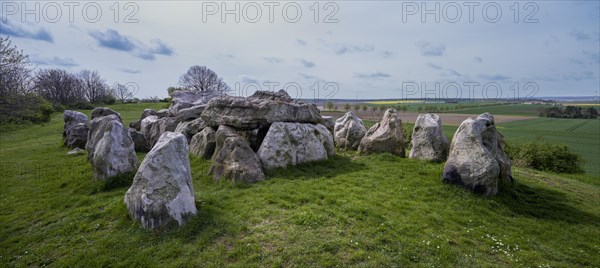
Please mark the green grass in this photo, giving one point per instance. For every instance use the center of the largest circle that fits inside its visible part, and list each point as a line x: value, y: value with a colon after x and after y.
x: 352, y: 210
x: 497, y: 108
x: 511, y: 109
x: 581, y: 135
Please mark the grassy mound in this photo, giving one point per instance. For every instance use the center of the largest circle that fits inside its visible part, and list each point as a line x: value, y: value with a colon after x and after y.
x: 351, y: 210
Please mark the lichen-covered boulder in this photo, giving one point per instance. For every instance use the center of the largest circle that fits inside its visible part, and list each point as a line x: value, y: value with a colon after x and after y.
x: 477, y: 159
x: 97, y: 128
x: 385, y: 136
x: 162, y: 192
x: 114, y: 154
x: 103, y: 111
x: 236, y: 161
x: 190, y: 128
x: 76, y: 136
x: 203, y: 143
x: 75, y: 130
x: 137, y: 125
x: 428, y: 139
x: 259, y: 110
x: 72, y: 118
x: 295, y: 143
x: 141, y: 145
x: 349, y: 131
x: 153, y: 127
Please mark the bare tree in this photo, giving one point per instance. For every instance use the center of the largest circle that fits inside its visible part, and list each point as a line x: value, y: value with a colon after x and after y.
x: 15, y: 74
x: 59, y: 86
x: 94, y: 87
x: 201, y: 78
x: 122, y: 92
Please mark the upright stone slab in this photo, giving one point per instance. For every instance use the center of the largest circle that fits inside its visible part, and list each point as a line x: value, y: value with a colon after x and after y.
x: 236, y: 161
x: 162, y: 192
x: 428, y: 139
x: 114, y: 154
x: 386, y: 136
x: 349, y: 131
x: 75, y: 130
x: 141, y: 145
x: 295, y: 143
x: 203, y: 144
x: 153, y: 127
x: 97, y: 128
x: 190, y: 128
x: 477, y: 160
x: 76, y: 136
x: 137, y: 125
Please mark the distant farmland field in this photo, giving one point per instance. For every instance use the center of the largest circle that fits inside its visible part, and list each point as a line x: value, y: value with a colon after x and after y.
x: 511, y: 109
x: 581, y: 135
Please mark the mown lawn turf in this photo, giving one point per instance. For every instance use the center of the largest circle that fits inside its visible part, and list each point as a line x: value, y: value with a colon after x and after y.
x: 351, y: 210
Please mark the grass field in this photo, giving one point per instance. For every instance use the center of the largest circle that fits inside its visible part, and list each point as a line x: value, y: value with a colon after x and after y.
x: 511, y: 109
x: 502, y: 108
x: 351, y: 210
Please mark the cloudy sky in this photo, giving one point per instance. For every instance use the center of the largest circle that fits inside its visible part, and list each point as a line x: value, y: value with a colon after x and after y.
x: 350, y: 49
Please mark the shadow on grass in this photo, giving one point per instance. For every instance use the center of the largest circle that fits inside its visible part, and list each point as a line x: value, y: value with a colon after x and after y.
x: 116, y: 182
x: 543, y: 204
x: 208, y: 224
x: 318, y: 169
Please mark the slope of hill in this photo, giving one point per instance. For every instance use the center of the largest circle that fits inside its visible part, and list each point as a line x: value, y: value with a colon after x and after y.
x: 352, y: 210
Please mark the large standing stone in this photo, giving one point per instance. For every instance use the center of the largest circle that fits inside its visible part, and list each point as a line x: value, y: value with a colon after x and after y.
x: 76, y: 135
x: 477, y: 159
x: 203, y: 144
x: 162, y: 192
x: 236, y: 161
x: 385, y: 136
x: 294, y: 143
x: 428, y: 140
x: 259, y: 110
x: 114, y: 154
x: 72, y: 118
x: 103, y: 111
x: 97, y: 128
x: 75, y: 129
x: 190, y: 128
x: 349, y: 131
x: 141, y: 145
x: 223, y: 132
x: 153, y: 127
x: 183, y: 99
x: 137, y: 125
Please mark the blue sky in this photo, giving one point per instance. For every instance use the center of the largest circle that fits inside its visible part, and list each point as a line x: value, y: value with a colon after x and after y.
x: 354, y: 49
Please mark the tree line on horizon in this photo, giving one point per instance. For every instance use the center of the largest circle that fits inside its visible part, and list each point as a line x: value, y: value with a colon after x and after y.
x: 575, y: 112
x: 29, y: 95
